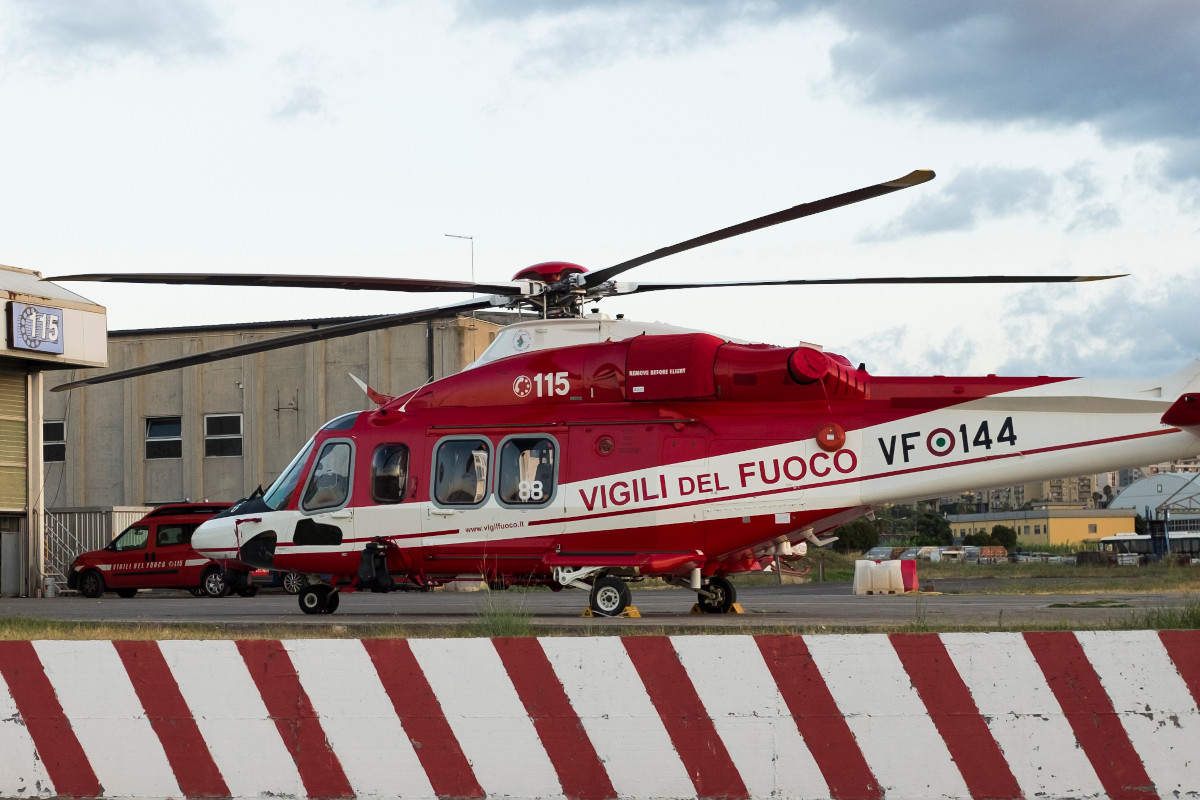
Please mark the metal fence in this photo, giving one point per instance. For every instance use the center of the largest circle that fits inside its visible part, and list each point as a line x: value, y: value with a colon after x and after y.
x: 71, y: 531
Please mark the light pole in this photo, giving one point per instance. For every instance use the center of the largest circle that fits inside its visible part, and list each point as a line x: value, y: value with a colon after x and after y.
x: 471, y: 239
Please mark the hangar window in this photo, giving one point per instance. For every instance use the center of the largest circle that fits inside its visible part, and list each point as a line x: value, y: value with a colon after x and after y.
x: 222, y: 435
x: 164, y: 437
x: 54, y: 440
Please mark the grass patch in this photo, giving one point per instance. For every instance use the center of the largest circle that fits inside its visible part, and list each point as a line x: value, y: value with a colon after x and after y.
x: 1092, y: 604
x: 502, y: 616
x: 1186, y: 617
x: 516, y: 621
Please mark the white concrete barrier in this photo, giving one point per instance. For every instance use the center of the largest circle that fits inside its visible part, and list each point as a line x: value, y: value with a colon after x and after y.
x: 1000, y: 715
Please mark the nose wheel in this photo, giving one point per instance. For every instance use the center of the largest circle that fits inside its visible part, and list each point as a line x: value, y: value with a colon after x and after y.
x: 718, y: 597
x: 318, y: 599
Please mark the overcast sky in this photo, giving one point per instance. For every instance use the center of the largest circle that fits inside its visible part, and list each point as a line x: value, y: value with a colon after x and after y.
x: 349, y: 138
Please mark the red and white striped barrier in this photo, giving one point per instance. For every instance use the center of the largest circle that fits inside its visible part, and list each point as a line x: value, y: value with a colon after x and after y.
x: 996, y: 715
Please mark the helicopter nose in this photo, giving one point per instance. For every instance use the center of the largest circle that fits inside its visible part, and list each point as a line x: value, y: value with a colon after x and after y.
x: 215, y: 539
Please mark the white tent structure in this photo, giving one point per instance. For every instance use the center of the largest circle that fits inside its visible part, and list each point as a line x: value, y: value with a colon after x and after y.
x: 1177, y: 493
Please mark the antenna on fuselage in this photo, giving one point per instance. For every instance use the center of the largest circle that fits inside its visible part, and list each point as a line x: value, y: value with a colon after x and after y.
x: 414, y: 394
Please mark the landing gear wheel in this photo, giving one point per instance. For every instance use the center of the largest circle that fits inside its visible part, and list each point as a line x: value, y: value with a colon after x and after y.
x: 293, y: 581
x: 246, y: 591
x: 212, y: 582
x: 126, y: 592
x: 610, y: 596
x: 722, y: 598
x: 91, y: 584
x: 320, y: 598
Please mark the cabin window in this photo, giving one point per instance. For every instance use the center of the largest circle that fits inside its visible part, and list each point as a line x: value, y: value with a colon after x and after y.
x: 329, y: 485
x: 527, y: 471
x: 1091, y: 528
x: 460, y: 472
x: 164, y: 437
x: 389, y: 473
x: 54, y: 440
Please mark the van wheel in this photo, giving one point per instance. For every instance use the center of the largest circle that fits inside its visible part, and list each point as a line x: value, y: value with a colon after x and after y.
x: 91, y: 584
x: 212, y: 583
x: 293, y: 581
x: 126, y: 592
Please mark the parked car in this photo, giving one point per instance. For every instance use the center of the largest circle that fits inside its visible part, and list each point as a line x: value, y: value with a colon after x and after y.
x: 154, y: 553
x: 291, y: 581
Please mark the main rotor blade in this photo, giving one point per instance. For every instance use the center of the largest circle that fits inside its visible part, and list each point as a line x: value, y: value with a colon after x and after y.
x: 289, y: 340
x: 657, y: 287
x: 796, y: 212
x: 306, y: 281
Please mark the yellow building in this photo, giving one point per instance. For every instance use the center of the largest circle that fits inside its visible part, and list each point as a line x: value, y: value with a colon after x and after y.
x: 1048, y: 524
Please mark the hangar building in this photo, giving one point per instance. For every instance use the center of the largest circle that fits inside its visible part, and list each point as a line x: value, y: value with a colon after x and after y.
x: 48, y: 328
x: 1176, y: 493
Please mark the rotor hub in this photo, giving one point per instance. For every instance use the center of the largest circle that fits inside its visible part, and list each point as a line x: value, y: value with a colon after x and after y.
x: 549, y: 271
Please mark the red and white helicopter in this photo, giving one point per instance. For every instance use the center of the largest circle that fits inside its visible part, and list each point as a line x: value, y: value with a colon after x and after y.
x: 591, y: 452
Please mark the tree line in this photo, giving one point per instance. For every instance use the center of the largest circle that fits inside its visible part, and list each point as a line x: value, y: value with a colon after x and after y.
x: 920, y: 525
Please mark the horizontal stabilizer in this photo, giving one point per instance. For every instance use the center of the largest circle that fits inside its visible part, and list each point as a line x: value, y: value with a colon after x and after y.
x: 1184, y: 412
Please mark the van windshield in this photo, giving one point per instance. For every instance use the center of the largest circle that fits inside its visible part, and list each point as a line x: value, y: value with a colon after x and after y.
x: 277, y: 495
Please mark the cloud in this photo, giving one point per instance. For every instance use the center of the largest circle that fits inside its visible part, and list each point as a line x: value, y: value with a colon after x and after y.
x: 1128, y: 70
x: 575, y: 35
x: 970, y: 197
x: 302, y: 101
x: 1120, y: 330
x: 1121, y: 333
x: 891, y: 352
x: 107, y: 31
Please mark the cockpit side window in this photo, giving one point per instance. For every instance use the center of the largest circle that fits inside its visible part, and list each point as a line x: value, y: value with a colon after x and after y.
x: 276, y: 497
x: 389, y: 473
x: 329, y: 484
x: 460, y: 472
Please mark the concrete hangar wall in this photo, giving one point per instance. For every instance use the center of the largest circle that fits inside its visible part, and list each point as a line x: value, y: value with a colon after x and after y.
x: 48, y: 327
x: 216, y: 431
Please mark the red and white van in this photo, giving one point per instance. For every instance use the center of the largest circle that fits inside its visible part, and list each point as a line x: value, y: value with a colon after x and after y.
x: 153, y: 553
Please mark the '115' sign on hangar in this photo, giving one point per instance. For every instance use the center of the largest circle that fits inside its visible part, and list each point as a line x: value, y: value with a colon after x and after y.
x: 38, y: 328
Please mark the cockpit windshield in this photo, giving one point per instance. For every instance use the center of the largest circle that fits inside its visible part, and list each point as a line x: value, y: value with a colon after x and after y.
x: 277, y: 495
